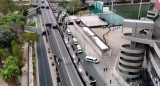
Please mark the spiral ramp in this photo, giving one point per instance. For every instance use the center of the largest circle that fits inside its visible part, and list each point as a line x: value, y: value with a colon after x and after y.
x: 130, y: 61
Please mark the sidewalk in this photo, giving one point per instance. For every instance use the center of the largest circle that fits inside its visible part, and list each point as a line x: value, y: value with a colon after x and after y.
x: 114, y: 42
x: 31, y: 77
x: 2, y: 82
x: 24, y: 79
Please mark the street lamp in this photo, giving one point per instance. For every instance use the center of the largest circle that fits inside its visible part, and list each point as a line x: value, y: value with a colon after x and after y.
x: 139, y: 10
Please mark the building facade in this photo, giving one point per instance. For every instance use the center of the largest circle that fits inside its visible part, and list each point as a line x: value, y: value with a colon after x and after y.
x: 139, y: 62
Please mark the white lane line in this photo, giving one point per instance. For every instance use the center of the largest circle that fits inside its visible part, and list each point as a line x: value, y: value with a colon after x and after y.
x: 35, y: 19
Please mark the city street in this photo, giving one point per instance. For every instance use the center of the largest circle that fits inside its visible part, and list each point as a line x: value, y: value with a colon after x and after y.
x: 68, y: 74
x: 44, y: 75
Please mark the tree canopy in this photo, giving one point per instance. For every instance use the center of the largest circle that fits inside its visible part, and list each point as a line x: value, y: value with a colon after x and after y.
x: 10, y: 26
x: 31, y: 38
x: 8, y: 6
x: 10, y: 72
x: 16, y: 51
x: 74, y: 5
x: 12, y: 18
x: 6, y: 36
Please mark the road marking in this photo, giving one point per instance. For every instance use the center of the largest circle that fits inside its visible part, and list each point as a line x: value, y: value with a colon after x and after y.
x: 82, y: 61
x: 64, y: 65
x: 60, y: 52
x: 35, y: 19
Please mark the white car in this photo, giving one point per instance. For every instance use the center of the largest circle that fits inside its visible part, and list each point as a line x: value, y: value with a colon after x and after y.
x: 68, y: 32
x: 42, y: 1
x: 92, y: 59
x: 75, y: 41
x: 79, y: 49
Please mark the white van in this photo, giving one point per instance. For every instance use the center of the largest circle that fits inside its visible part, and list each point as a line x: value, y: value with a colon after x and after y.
x: 68, y: 32
x: 79, y: 49
x: 75, y: 41
x: 92, y: 59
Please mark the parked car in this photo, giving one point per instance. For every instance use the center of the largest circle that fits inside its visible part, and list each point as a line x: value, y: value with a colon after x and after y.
x: 42, y: 1
x: 75, y: 41
x: 92, y: 59
x: 47, y: 7
x: 79, y: 49
x: 68, y: 32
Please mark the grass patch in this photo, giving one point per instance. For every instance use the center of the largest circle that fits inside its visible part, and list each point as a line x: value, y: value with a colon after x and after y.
x: 32, y: 24
x: 131, y: 11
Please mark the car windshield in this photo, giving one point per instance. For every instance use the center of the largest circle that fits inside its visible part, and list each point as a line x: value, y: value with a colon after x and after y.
x: 95, y: 60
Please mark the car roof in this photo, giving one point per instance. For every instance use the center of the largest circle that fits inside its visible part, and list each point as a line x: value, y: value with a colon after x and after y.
x: 91, y: 57
x: 78, y: 46
x: 74, y: 39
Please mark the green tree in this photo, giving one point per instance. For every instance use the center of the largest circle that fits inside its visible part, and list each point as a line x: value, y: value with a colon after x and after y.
x: 11, y: 28
x: 74, y: 5
x: 6, y: 36
x: 10, y: 72
x: 7, y: 6
x: 1, y: 56
x: 16, y: 51
x: 31, y: 38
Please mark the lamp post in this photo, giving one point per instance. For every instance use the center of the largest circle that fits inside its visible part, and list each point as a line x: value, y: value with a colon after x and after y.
x: 139, y: 9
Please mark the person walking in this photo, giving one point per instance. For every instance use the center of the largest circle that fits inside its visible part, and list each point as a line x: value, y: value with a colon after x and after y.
x: 86, y: 73
x: 110, y: 81
x: 104, y: 69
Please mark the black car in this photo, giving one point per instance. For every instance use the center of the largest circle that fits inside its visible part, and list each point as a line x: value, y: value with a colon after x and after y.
x: 48, y: 24
x: 47, y: 7
x: 42, y: 6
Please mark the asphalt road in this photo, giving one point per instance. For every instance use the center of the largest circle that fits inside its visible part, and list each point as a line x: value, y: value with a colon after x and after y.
x: 43, y: 66
x: 68, y: 74
x: 87, y: 66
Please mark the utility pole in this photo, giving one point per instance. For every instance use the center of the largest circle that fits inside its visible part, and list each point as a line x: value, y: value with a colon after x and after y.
x: 112, y: 6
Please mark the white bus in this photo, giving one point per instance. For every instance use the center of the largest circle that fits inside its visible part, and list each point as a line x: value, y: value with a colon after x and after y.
x: 88, y: 32
x: 100, y: 44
